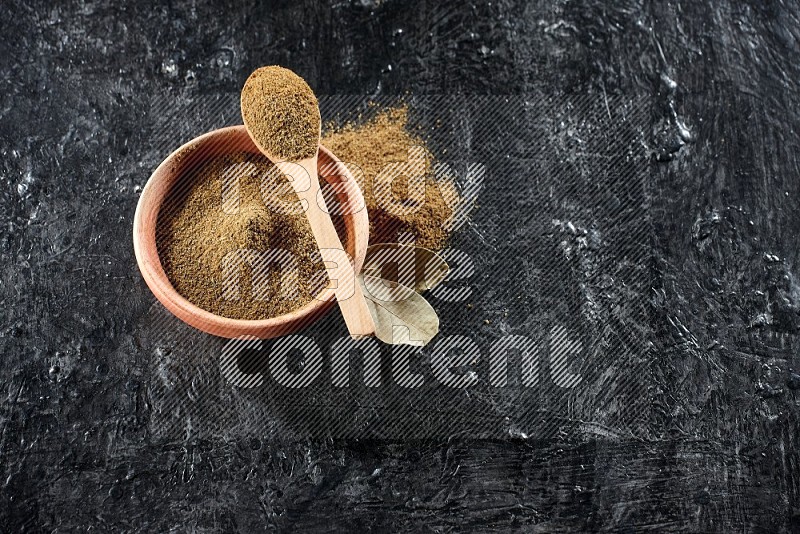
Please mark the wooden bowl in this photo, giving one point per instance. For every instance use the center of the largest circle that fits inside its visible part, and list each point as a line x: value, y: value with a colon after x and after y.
x: 177, y: 165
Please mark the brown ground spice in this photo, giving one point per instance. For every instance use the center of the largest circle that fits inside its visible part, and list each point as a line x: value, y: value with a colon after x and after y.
x: 368, y: 148
x: 194, y: 235
x: 281, y: 113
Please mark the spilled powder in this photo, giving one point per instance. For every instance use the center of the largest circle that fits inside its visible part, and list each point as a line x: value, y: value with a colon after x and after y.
x: 195, y: 234
x: 281, y: 113
x: 366, y: 149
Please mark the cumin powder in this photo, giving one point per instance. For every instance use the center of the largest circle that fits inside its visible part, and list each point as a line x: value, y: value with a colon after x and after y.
x: 195, y: 234
x: 281, y: 113
x: 367, y: 148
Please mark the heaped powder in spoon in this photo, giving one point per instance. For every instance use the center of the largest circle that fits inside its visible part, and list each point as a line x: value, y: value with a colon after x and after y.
x: 281, y: 113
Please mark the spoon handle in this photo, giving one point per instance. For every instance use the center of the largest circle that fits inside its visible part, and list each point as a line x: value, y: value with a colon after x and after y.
x: 348, y: 292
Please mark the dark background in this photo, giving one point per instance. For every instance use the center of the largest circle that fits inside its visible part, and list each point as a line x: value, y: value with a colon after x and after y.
x: 83, y: 85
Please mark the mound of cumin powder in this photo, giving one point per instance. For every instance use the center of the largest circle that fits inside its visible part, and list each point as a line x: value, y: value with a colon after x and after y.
x: 370, y: 146
x: 281, y: 113
x: 194, y: 234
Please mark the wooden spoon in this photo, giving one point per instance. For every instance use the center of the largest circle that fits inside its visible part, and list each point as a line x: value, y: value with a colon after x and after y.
x: 302, y: 173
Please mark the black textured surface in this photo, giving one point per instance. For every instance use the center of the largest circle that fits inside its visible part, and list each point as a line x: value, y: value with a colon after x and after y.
x: 88, y: 109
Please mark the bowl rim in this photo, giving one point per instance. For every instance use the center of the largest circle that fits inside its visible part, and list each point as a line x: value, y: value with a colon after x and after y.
x: 145, y: 248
